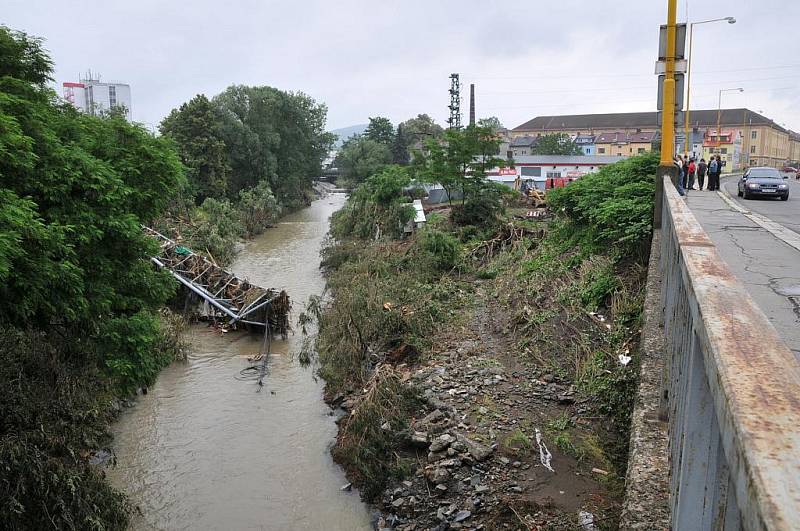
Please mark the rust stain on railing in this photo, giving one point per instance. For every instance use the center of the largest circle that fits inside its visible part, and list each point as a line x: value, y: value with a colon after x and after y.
x: 752, y: 378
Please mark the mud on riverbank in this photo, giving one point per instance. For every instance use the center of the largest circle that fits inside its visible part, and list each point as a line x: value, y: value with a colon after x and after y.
x: 522, y: 401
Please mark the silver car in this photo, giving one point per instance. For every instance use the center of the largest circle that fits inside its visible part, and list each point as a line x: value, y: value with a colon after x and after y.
x: 763, y: 182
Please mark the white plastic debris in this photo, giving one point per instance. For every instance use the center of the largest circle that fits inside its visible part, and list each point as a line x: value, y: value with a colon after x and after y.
x: 586, y: 519
x: 544, y: 454
x: 624, y: 360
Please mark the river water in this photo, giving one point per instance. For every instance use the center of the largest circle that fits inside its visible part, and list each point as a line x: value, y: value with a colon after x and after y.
x: 203, y: 450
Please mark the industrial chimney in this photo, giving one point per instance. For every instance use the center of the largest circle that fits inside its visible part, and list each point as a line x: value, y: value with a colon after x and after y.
x: 472, y: 104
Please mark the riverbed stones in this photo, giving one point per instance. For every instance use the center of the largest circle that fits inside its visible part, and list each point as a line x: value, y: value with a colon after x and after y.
x: 438, y: 475
x: 441, y: 442
x: 476, y: 450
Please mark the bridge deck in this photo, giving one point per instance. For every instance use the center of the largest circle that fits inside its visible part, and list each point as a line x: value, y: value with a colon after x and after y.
x: 768, y: 267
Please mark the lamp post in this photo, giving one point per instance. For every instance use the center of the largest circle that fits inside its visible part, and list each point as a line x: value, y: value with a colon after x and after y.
x: 719, y: 114
x: 729, y: 20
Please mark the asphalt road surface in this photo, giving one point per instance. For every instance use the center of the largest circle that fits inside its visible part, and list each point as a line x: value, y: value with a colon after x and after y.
x: 762, y: 260
x: 787, y: 213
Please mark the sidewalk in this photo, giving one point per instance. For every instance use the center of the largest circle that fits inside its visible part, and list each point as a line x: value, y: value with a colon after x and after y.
x: 767, y: 266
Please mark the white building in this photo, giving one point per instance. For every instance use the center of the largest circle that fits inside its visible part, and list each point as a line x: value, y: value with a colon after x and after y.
x: 93, y: 97
x: 537, y: 170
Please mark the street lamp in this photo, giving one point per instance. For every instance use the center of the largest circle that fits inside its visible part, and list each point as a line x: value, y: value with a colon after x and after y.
x: 719, y: 112
x: 729, y: 20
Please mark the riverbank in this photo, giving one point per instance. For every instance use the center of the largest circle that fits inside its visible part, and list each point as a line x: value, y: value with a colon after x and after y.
x: 488, y: 373
x: 500, y: 384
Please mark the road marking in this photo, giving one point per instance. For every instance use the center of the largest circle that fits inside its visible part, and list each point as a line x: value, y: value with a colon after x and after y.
x: 776, y: 229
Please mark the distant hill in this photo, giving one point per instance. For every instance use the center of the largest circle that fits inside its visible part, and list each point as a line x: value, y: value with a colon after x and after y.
x: 346, y: 132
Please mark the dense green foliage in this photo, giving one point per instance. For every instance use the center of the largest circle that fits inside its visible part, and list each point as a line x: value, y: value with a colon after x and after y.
x: 460, y: 163
x: 380, y: 130
x: 195, y: 129
x: 377, y: 209
x: 361, y: 157
x: 79, y: 294
x: 421, y: 129
x: 613, y: 207
x: 400, y: 154
x: 250, y: 138
x: 556, y: 144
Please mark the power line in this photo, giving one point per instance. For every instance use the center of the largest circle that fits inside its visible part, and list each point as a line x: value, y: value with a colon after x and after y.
x: 604, y: 75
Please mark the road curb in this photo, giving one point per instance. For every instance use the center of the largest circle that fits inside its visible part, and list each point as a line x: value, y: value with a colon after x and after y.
x: 787, y: 236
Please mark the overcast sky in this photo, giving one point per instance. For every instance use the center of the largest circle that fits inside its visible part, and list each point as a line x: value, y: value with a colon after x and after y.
x: 367, y: 58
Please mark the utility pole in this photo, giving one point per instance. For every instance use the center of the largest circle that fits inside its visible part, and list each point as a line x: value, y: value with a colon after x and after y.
x: 455, y: 102
x: 666, y: 167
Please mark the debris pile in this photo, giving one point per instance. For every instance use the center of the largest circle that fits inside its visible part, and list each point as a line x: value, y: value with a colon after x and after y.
x: 222, y: 295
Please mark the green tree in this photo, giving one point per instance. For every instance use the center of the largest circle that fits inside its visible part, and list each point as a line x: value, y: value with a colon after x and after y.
x: 275, y: 136
x: 361, y: 157
x: 380, y: 130
x: 493, y: 123
x: 461, y: 161
x: 400, y: 153
x: 80, y: 292
x: 195, y: 129
x: 556, y: 144
x: 421, y: 129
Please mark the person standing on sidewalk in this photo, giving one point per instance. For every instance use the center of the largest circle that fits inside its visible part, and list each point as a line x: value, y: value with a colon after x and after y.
x: 712, y: 173
x: 678, y: 161
x: 690, y: 172
x: 702, y: 167
x: 681, y: 171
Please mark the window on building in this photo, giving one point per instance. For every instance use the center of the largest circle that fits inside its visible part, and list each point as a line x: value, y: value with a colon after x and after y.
x: 112, y: 96
x: 601, y: 150
x: 752, y: 149
x: 553, y: 174
x: 619, y: 154
x: 724, y: 151
x: 753, y: 134
x: 531, y: 171
x: 640, y: 151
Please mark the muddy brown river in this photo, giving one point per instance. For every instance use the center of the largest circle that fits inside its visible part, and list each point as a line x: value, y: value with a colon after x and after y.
x: 203, y: 450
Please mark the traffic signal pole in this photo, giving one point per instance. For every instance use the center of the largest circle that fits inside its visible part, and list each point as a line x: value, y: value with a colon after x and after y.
x: 666, y: 166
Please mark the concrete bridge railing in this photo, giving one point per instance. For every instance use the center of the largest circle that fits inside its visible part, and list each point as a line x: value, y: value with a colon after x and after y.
x: 731, y: 391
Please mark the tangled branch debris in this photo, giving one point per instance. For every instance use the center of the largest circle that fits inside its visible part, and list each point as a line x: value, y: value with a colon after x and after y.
x: 509, y: 236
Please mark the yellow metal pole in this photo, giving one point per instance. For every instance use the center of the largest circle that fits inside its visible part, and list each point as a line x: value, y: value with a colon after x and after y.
x: 688, y: 88
x: 666, y: 167
x: 668, y: 115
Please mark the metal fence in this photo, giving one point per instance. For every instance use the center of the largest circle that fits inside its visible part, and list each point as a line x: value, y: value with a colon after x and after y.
x: 731, y: 390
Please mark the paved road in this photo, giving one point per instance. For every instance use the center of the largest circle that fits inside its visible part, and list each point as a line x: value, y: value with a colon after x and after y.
x: 767, y: 265
x: 787, y: 213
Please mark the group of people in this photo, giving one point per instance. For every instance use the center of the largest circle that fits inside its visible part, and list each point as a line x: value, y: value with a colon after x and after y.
x: 689, y: 171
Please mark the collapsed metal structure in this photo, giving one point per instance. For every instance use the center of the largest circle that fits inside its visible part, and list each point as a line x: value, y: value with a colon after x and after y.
x: 224, y: 296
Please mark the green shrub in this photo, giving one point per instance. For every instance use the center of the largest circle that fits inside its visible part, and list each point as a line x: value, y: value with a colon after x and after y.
x: 480, y: 210
x: 258, y: 208
x: 613, y: 207
x: 377, y: 209
x: 442, y: 248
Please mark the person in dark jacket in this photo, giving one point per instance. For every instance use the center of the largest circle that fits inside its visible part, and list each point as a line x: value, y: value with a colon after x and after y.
x: 713, y: 166
x: 678, y: 161
x: 702, y: 168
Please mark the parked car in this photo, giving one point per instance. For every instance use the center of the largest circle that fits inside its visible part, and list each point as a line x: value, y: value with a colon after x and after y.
x: 789, y: 169
x: 763, y: 181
